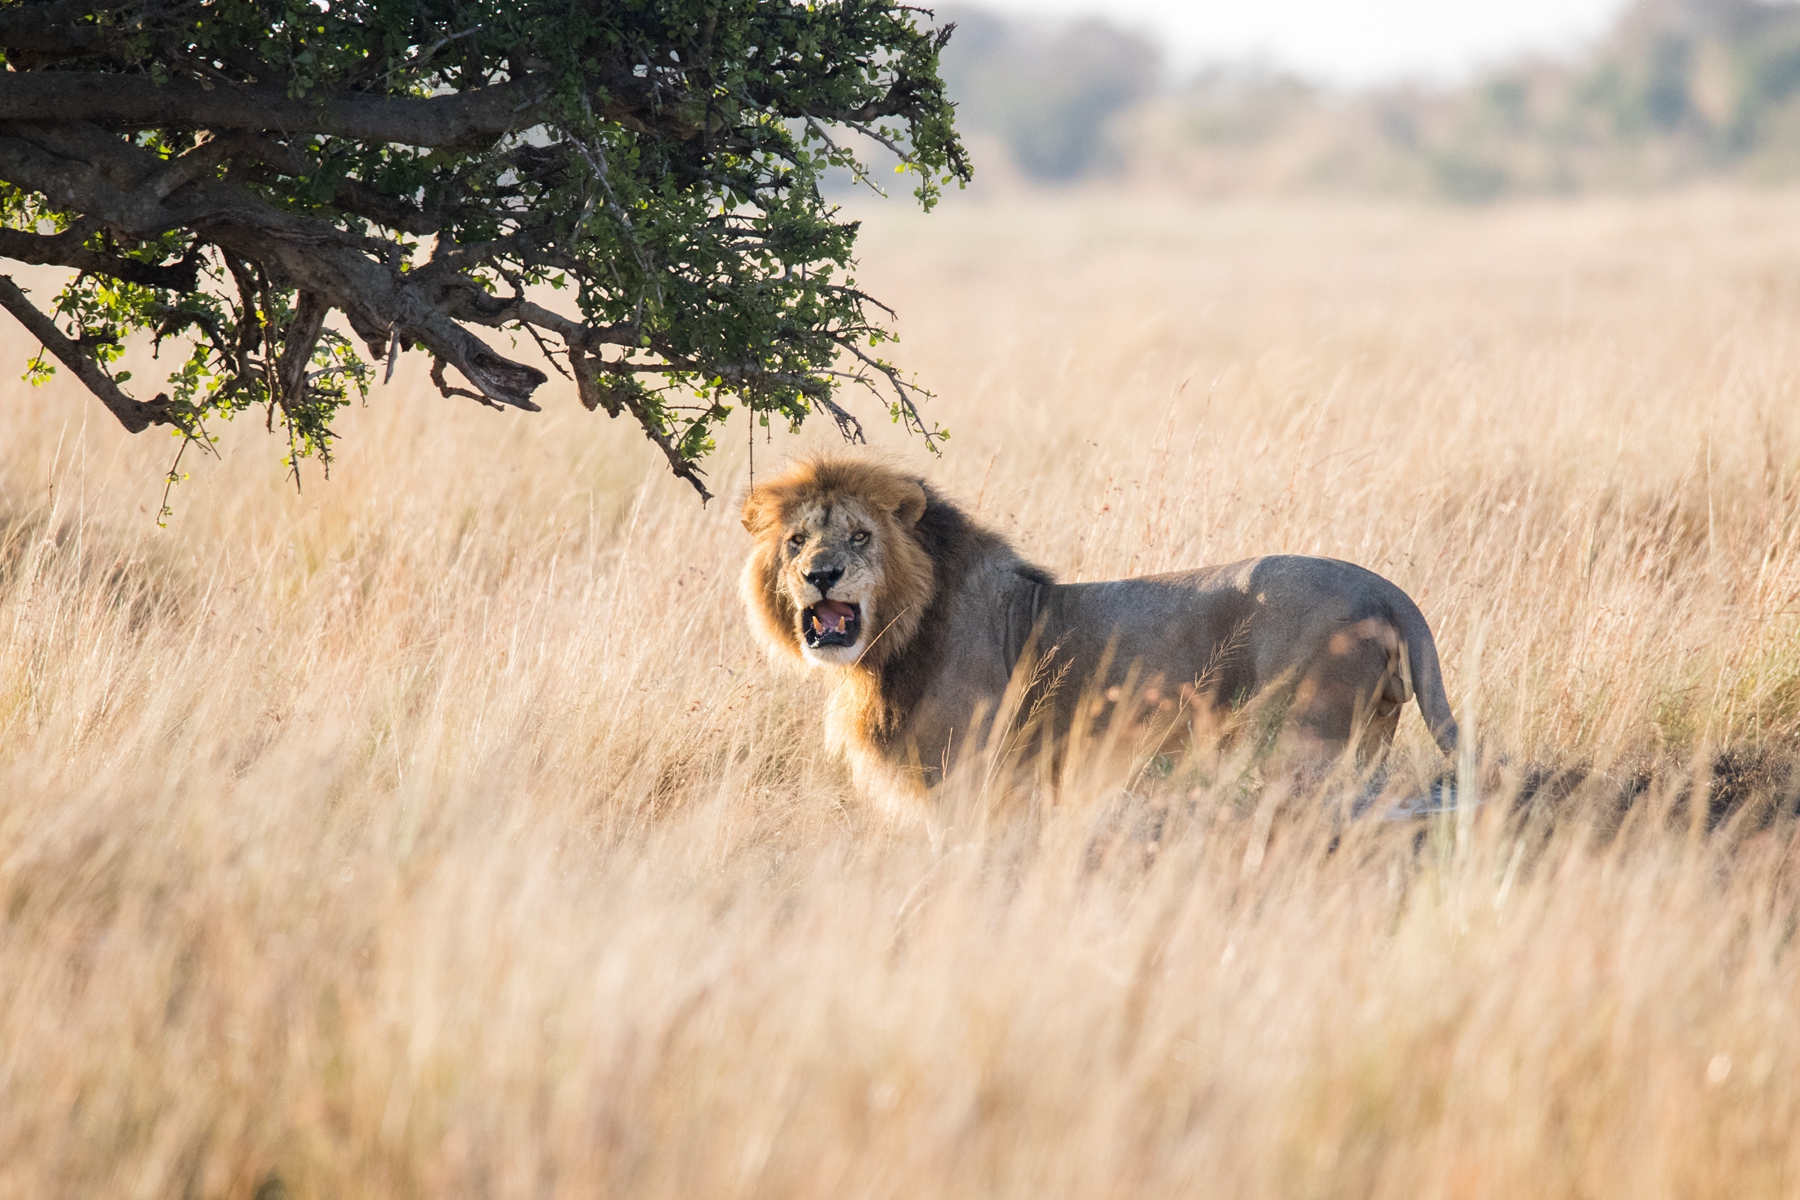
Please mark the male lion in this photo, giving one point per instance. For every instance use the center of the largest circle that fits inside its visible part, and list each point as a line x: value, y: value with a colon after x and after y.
x: 925, y: 616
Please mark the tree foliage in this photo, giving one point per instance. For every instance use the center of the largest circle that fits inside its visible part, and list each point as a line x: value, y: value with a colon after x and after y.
x: 635, y: 184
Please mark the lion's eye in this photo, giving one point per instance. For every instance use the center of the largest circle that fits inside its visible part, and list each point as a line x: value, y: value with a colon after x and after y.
x: 797, y: 541
x: 860, y: 537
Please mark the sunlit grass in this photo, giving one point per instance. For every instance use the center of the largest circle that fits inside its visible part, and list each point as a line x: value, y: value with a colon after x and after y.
x: 438, y: 830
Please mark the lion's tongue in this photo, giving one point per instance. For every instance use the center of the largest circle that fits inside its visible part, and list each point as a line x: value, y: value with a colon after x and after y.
x: 830, y: 615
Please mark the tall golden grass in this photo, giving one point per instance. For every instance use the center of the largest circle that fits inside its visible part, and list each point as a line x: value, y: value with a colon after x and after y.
x: 437, y: 830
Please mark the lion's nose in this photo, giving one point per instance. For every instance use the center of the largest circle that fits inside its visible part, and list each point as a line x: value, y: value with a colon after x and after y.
x: 824, y: 577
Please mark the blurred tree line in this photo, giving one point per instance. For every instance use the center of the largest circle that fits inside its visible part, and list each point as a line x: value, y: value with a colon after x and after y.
x: 1678, y: 90
x: 1049, y: 97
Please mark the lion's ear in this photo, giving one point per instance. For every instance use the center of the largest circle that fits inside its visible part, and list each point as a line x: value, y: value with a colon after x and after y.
x: 758, y: 510
x: 912, y: 504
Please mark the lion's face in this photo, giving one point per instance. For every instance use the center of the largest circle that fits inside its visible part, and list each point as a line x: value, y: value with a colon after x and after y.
x: 836, y: 576
x: 831, y: 566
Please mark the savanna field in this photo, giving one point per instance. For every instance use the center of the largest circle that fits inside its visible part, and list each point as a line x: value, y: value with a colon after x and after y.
x: 437, y: 830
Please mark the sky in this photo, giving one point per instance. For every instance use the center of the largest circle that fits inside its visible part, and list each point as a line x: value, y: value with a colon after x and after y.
x: 1350, y: 43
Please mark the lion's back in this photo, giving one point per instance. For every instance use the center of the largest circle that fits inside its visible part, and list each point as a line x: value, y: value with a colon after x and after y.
x: 1343, y: 589
x: 1246, y: 620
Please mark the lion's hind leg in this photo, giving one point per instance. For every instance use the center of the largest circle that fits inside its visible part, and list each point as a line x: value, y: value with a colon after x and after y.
x: 1348, y: 696
x: 1390, y: 697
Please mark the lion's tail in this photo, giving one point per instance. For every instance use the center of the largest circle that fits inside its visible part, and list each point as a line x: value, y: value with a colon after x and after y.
x: 1418, y: 666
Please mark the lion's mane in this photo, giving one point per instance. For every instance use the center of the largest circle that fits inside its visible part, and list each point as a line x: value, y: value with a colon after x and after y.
x: 927, y: 551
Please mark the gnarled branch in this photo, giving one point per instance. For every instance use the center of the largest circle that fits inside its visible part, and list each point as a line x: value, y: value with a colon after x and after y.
x: 137, y: 102
x: 66, y: 250
x: 135, y: 415
x: 315, y: 256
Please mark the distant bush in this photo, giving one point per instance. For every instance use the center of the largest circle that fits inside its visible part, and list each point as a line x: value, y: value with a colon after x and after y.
x: 1048, y: 93
x: 1679, y: 90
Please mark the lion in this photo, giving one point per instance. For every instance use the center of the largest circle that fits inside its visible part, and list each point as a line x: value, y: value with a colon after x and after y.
x: 925, y: 618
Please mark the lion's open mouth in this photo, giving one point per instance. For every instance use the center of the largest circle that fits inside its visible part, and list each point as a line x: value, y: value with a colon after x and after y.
x: 831, y: 623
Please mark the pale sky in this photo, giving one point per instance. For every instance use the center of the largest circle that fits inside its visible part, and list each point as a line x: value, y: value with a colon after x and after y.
x: 1350, y: 42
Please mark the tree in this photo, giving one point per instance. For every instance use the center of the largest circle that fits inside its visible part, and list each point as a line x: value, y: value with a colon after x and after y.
x: 635, y: 184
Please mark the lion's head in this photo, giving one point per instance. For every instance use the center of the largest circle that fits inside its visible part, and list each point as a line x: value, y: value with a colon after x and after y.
x: 837, y: 577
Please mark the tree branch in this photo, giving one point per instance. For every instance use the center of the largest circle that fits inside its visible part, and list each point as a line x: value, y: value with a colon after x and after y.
x: 66, y: 250
x: 445, y: 387
x: 302, y: 336
x: 461, y: 119
x: 314, y: 256
x: 903, y: 391
x: 53, y: 29
x: 352, y: 195
x: 136, y: 102
x: 679, y: 464
x: 135, y: 415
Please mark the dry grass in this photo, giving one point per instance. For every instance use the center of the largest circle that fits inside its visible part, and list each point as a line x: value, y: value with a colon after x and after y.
x: 437, y: 831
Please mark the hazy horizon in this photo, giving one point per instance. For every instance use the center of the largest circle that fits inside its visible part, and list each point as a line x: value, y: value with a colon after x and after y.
x: 1373, y: 43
